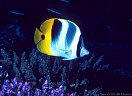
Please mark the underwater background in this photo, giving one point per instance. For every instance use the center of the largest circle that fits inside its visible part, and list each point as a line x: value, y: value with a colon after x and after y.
x: 106, y: 26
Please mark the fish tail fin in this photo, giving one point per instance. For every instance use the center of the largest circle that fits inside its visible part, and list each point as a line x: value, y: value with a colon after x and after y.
x: 83, y: 50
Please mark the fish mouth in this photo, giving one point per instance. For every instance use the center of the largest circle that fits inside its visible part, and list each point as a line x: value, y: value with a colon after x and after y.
x: 37, y: 36
x: 41, y: 37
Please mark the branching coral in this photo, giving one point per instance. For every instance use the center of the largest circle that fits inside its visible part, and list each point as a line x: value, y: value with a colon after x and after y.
x: 16, y: 87
x: 36, y: 67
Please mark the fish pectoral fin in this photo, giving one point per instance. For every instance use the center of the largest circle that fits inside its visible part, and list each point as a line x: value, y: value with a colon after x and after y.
x: 68, y: 52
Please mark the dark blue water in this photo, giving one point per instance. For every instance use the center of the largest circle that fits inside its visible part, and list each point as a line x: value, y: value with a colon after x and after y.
x: 106, y: 27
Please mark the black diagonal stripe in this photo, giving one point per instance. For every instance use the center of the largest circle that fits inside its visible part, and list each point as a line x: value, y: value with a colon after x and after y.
x: 56, y: 29
x: 79, y: 47
x: 70, y: 33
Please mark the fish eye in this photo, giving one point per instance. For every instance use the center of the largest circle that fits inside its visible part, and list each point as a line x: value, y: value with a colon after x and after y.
x: 42, y: 37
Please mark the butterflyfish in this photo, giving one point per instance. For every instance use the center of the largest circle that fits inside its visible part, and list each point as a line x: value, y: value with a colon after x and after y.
x: 60, y: 37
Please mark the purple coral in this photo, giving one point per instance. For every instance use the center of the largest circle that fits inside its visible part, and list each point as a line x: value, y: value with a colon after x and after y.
x: 16, y: 87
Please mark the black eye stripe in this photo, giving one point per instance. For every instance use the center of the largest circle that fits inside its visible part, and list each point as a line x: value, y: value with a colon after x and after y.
x: 39, y: 30
x: 42, y: 37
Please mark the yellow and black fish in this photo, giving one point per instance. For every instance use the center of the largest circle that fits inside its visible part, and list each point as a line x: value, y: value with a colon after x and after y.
x: 60, y: 37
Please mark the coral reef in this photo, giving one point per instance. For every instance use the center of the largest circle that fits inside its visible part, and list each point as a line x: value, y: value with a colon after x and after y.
x: 37, y: 68
x: 16, y: 87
